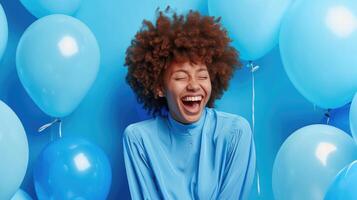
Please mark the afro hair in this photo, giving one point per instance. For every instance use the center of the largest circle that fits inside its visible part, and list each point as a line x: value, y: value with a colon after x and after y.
x: 178, y: 38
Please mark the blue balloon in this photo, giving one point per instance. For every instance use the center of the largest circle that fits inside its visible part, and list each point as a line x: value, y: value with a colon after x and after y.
x: 309, y: 160
x: 3, y: 31
x: 57, y: 61
x: 21, y: 195
x: 72, y: 168
x: 353, y: 118
x: 14, y: 152
x: 40, y: 8
x: 252, y: 24
x: 344, y: 185
x: 318, y: 44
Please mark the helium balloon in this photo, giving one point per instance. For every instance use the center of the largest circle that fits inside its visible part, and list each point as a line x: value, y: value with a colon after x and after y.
x: 3, y: 31
x: 40, y: 8
x: 57, y: 61
x: 14, y: 152
x: 344, y: 185
x: 72, y: 168
x: 308, y: 161
x: 252, y: 24
x: 318, y: 44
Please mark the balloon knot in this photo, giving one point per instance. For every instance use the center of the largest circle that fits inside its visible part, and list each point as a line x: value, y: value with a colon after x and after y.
x: 44, y: 127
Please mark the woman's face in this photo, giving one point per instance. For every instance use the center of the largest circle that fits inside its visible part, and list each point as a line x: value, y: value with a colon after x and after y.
x: 187, y: 89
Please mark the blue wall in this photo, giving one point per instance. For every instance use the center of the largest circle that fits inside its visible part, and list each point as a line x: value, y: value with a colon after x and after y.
x: 110, y: 105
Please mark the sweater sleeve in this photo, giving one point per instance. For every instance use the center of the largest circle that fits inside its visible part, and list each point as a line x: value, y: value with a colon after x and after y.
x: 140, y: 176
x: 240, y: 164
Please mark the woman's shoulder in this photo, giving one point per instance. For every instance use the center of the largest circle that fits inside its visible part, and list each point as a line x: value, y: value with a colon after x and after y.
x: 231, y: 125
x: 230, y: 119
x: 137, y: 129
x: 142, y: 124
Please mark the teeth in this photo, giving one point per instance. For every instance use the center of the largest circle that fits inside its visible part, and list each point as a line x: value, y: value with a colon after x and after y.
x: 192, y: 98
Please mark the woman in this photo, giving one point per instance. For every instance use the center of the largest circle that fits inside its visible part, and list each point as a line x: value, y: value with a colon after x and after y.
x: 177, y: 68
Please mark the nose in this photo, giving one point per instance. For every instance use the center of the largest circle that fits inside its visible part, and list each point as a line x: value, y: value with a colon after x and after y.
x: 193, y: 85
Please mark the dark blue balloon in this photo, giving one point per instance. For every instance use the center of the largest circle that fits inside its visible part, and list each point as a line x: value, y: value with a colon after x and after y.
x: 344, y: 185
x: 72, y: 168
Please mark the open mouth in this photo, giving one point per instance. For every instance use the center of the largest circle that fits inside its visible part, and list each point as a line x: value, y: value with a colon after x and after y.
x: 192, y: 103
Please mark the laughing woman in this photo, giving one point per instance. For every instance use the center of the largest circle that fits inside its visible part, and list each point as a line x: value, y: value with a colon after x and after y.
x: 177, y: 68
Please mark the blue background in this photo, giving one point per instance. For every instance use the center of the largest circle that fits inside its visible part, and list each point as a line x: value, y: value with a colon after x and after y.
x: 110, y: 105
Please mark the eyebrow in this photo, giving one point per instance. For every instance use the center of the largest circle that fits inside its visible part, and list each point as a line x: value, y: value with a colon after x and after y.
x: 185, y: 71
x: 202, y: 69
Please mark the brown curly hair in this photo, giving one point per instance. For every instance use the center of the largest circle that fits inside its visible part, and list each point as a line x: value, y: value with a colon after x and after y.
x: 194, y: 38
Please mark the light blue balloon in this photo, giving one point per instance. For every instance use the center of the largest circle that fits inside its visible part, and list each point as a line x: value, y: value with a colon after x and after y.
x: 353, y: 118
x: 318, y: 44
x: 40, y: 8
x: 344, y: 185
x: 21, y: 195
x: 57, y: 61
x: 252, y: 24
x: 309, y: 160
x: 14, y: 152
x: 3, y: 31
x: 72, y: 168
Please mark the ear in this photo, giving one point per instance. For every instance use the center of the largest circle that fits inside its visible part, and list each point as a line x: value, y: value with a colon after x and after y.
x: 159, y: 92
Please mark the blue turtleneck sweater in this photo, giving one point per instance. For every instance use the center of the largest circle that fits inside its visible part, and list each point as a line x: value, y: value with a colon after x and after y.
x: 213, y: 158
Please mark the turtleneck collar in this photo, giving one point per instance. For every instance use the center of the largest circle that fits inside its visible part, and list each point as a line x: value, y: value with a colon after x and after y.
x: 189, y: 129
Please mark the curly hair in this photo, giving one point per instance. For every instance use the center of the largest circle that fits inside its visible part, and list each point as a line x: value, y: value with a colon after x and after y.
x: 194, y: 38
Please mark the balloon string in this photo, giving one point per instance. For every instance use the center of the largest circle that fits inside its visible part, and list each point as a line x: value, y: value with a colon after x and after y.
x: 254, y: 68
x: 60, y: 129
x: 258, y: 183
x: 327, y: 115
x: 46, y: 126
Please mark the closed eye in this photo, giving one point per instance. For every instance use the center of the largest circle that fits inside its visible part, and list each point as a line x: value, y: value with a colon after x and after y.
x: 203, y: 77
x: 180, y: 78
